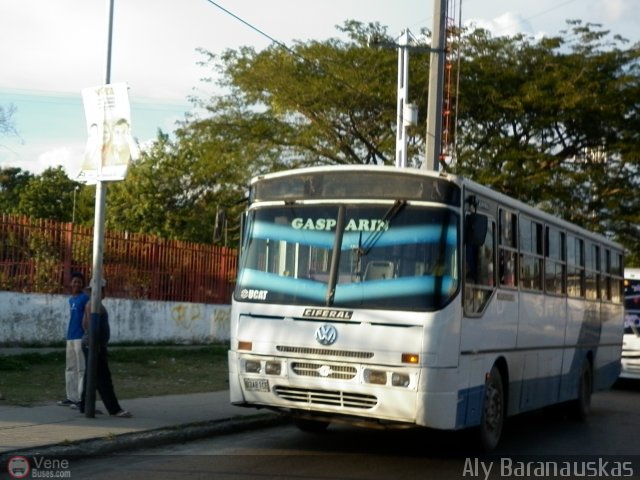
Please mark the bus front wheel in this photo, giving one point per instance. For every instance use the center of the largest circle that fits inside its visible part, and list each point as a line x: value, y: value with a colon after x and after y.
x: 493, y: 411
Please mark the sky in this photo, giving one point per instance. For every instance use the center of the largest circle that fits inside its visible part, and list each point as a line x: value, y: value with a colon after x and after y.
x: 52, y: 49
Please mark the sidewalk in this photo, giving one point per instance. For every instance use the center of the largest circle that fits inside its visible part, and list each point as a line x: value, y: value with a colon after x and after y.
x: 55, y: 430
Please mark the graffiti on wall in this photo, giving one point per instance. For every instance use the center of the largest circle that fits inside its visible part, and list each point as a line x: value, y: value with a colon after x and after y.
x: 186, y: 315
x: 221, y: 322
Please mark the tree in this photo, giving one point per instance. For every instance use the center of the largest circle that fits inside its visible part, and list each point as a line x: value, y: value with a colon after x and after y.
x: 552, y: 122
x: 7, y: 125
x: 331, y: 102
x: 174, y: 177
x: 13, y: 181
x: 49, y: 195
x: 555, y: 123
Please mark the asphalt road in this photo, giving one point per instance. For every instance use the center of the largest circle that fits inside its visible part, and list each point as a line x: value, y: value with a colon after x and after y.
x: 605, y: 446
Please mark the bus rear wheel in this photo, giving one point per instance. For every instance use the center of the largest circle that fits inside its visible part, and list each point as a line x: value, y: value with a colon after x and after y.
x: 493, y: 411
x: 581, y: 406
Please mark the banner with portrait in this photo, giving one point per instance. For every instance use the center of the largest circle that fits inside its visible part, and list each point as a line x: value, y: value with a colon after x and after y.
x: 110, y: 146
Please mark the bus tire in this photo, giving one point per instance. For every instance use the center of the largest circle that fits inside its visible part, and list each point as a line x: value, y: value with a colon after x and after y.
x: 493, y: 411
x: 581, y: 406
x: 310, y: 425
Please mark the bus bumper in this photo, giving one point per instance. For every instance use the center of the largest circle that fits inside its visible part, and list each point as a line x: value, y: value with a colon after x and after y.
x: 346, y: 399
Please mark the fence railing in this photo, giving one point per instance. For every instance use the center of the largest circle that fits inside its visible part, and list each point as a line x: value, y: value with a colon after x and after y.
x: 39, y: 256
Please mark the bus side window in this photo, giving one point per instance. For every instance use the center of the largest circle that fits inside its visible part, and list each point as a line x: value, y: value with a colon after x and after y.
x: 605, y: 277
x: 555, y: 262
x: 379, y: 270
x: 592, y: 271
x: 480, y: 272
x: 575, y: 266
x: 531, y: 254
x: 617, y: 271
x: 508, y: 248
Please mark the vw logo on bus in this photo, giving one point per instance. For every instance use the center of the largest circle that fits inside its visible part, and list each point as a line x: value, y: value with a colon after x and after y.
x: 326, y: 334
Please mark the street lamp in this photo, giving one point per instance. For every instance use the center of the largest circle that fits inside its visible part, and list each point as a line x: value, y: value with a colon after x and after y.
x: 73, y: 213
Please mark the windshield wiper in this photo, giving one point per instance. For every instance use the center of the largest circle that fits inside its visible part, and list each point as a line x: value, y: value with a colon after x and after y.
x: 372, y: 239
x: 335, y: 257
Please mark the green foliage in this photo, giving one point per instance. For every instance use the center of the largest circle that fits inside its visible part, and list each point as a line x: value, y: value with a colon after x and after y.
x: 44, y: 253
x: 174, y: 191
x: 35, y: 378
x: 13, y: 181
x: 150, y: 353
x: 25, y: 361
x: 85, y: 199
x: 319, y: 103
x: 49, y: 195
x: 555, y: 123
x: 41, y: 250
x: 331, y: 102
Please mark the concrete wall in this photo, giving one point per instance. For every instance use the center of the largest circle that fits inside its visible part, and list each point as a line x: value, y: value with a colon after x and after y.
x: 42, y: 319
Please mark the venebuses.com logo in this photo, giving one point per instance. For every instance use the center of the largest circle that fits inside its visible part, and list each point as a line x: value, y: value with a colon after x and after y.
x: 20, y: 466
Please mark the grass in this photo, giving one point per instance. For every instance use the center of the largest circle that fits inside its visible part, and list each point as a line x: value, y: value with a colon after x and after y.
x: 34, y: 378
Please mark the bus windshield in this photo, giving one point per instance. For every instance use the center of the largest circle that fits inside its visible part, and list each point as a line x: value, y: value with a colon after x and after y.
x: 388, y: 256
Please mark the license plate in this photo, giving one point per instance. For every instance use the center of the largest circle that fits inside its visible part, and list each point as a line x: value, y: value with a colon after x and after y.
x: 256, y: 384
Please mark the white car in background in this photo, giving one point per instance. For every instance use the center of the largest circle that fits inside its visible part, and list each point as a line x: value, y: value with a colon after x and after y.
x: 631, y: 339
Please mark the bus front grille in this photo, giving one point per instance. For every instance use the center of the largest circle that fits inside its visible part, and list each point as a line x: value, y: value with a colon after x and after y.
x: 326, y: 397
x: 326, y: 352
x: 337, y: 372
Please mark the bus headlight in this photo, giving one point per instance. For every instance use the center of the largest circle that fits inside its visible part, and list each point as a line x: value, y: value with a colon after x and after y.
x: 400, y: 379
x: 272, y: 368
x: 377, y: 377
x: 252, y: 366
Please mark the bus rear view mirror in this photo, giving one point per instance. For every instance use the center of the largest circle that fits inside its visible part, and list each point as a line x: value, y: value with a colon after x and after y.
x: 475, y: 229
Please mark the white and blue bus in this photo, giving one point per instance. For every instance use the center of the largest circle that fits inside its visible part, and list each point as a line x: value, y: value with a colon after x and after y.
x: 631, y: 339
x: 401, y: 297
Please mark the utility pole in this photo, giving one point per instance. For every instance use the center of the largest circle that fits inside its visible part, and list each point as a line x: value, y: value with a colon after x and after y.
x: 73, y: 212
x: 433, y: 138
x: 98, y: 251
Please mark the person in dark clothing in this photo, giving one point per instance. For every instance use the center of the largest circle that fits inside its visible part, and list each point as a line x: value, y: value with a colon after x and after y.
x: 104, y: 383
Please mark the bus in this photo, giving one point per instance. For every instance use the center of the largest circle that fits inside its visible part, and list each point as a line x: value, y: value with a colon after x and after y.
x: 397, y: 298
x: 631, y: 339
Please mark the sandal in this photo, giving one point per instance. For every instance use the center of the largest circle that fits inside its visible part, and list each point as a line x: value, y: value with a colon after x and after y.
x: 123, y: 414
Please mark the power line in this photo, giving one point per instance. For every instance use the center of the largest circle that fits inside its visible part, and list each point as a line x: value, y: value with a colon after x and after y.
x: 284, y: 46
x: 253, y: 27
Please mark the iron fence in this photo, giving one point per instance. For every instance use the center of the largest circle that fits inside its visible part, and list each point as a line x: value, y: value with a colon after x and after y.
x: 38, y: 256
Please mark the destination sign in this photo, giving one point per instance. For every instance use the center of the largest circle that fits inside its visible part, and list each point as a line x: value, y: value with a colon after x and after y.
x: 353, y: 225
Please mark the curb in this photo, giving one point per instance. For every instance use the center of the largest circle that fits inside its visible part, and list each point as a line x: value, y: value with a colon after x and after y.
x: 153, y: 438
